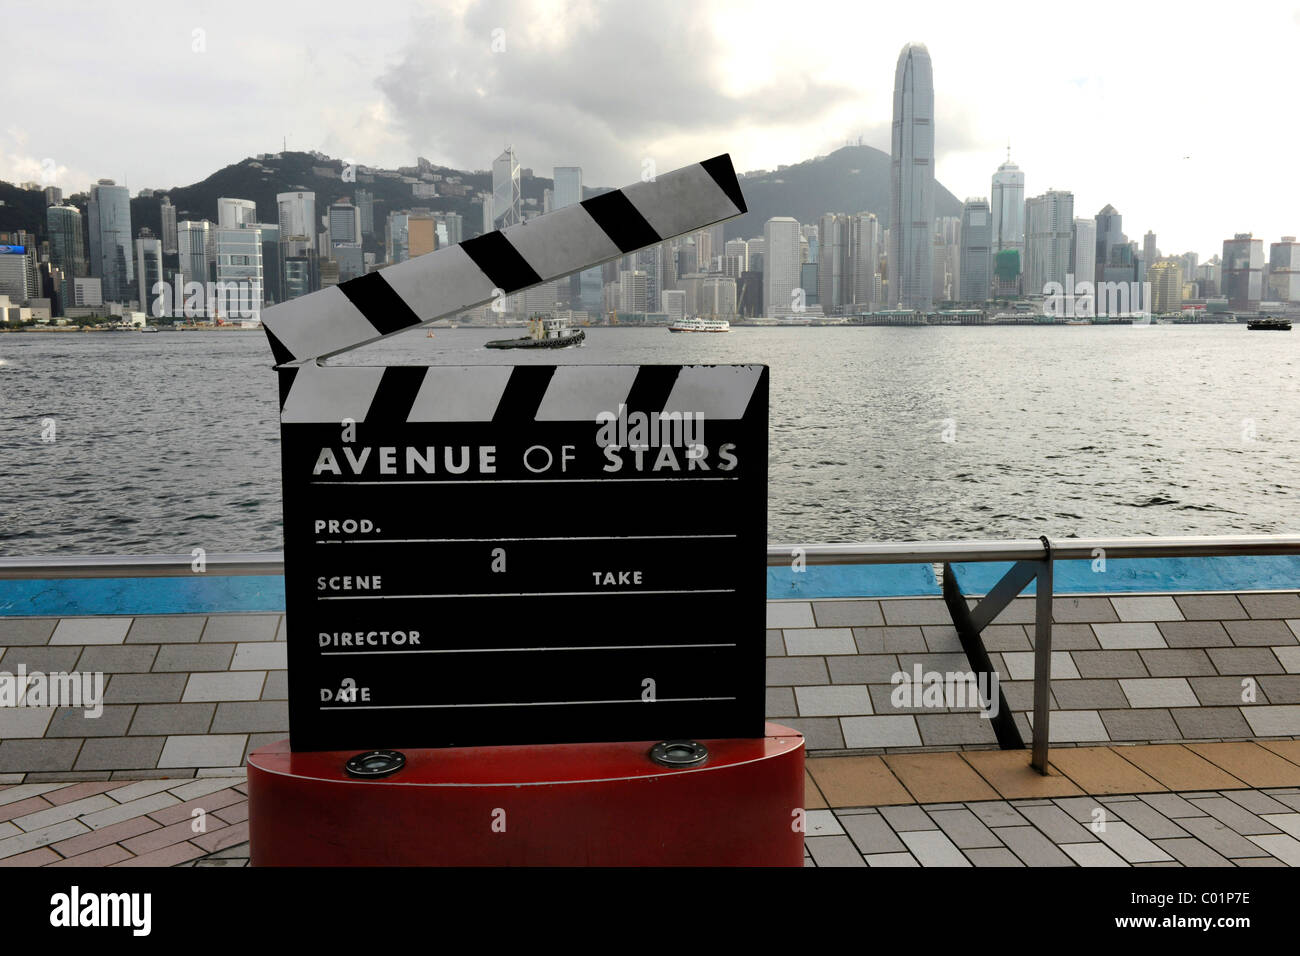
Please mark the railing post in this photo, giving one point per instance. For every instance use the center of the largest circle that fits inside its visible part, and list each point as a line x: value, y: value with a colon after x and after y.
x: 1042, y: 659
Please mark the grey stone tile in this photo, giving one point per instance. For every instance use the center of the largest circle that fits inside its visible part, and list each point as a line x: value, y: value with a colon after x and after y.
x: 120, y: 753
x: 1158, y: 692
x: 1019, y: 665
x: 1095, y: 854
x: 933, y: 848
x: 1181, y: 662
x: 943, y: 663
x: 204, y: 750
x: 1274, y: 721
x: 804, y: 670
x: 1140, y: 725
x: 1019, y: 611
x: 1192, y: 852
x: 813, y: 641
x: 244, y: 685
x: 1259, y: 861
x: 1032, y: 847
x: 836, y: 700
x: 1020, y: 694
x: 848, y: 614
x: 1147, y: 608
x: 1271, y: 605
x: 1184, y: 634
x: 820, y: 733
x: 1008, y: 637
x: 1219, y: 837
x: 1114, y: 637
x: 779, y: 702
x: 73, y: 722
x: 1059, y: 826
x: 1148, y: 821
x: 908, y: 611
x: 881, y: 731
x: 775, y: 643
x: 862, y: 668
x: 1071, y: 637
x: 942, y: 639
x: 43, y: 659
x: 31, y: 756
x: 882, y: 701
x: 997, y: 813
x: 1256, y: 801
x: 1109, y: 664
x: 1221, y: 691
x: 1083, y: 610
x: 951, y: 729
x: 166, y: 629
x: 890, y: 640
x: 892, y: 860
x: 175, y: 658
x: 26, y: 630
x: 163, y: 719
x: 145, y: 688
x: 964, y: 829
x: 907, y: 818
x: 1260, y: 633
x: 1202, y: 723
x: 130, y: 659
x: 276, y: 686
x: 1081, y: 809
x: 269, y: 716
x: 872, y: 834
x: 783, y: 614
x: 238, y: 628
x: 1209, y: 607
x: 834, y: 851
x: 1245, y: 660
x: 1086, y: 694
x: 1170, y: 805
x: 999, y: 856
x: 90, y: 630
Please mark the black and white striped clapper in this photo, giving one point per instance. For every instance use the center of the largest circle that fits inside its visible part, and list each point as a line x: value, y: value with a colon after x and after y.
x: 484, y: 555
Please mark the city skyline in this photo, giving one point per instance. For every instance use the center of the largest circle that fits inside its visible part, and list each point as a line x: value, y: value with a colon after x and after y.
x: 722, y: 82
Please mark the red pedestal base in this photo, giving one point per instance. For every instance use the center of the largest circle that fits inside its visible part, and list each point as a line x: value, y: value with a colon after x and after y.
x: 601, y: 804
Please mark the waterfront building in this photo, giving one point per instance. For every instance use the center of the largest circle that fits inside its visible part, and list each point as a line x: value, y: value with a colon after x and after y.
x: 111, y: 254
x: 1083, y: 250
x: 196, y: 250
x: 632, y: 291
x: 1049, y: 223
x: 911, y: 219
x: 1007, y: 209
x: 1166, y: 278
x: 1284, y: 270
x: 148, y: 268
x: 780, y: 265
x: 1243, y: 271
x: 975, y: 259
x: 67, y: 247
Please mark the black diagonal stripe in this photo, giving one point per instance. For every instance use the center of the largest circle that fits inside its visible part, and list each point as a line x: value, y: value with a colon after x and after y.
x: 395, y: 394
x: 524, y: 393
x: 287, y: 375
x: 379, y: 303
x: 651, y: 388
x: 500, y: 262
x: 621, y: 221
x: 280, y: 353
x: 724, y: 174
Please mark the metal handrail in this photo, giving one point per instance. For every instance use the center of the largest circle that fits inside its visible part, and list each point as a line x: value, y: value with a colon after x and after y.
x: 871, y: 552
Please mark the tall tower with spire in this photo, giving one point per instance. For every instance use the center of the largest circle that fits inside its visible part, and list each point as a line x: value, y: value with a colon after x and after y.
x: 911, y: 220
x: 1008, y: 208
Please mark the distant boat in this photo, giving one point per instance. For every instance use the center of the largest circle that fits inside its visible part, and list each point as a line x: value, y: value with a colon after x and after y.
x: 543, y: 333
x: 1270, y: 324
x: 148, y: 328
x: 700, y: 325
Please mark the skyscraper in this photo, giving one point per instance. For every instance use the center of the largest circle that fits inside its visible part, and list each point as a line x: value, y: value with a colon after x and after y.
x: 239, y: 273
x: 506, y: 198
x: 1284, y: 270
x: 67, y: 248
x: 344, y: 222
x: 1007, y: 206
x: 148, y: 268
x: 1150, y: 254
x: 111, y: 255
x: 1243, y: 271
x: 1166, y: 278
x: 1083, y: 251
x: 1049, y: 231
x: 297, y: 215
x: 976, y: 259
x: 194, y: 242
x: 780, y: 264
x: 911, y: 220
x: 168, y: 213
x: 232, y: 213
x: 568, y: 186
x: 366, y: 203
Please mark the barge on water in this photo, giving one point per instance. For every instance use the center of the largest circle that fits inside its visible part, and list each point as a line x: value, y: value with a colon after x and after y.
x: 543, y: 333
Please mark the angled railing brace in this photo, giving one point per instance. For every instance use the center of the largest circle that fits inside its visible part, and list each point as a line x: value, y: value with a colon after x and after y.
x: 970, y: 622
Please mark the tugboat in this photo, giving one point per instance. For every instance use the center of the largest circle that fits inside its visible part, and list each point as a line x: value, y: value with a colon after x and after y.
x: 1269, y: 323
x: 543, y: 333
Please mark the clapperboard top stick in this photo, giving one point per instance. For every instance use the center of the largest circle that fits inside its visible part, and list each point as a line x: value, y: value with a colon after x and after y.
x: 474, y: 272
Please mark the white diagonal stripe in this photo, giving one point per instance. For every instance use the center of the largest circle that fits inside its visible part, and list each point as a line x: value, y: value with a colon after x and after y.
x: 716, y: 391
x: 562, y: 242
x: 440, y: 283
x: 459, y: 394
x: 578, y: 392
x: 322, y: 393
x: 318, y: 324
x: 681, y: 201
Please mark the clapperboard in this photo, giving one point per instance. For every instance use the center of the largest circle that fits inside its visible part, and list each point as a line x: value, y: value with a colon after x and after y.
x: 527, y: 554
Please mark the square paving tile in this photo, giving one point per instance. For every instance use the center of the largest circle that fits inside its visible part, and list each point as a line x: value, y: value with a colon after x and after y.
x: 1282, y: 720
x: 872, y: 834
x: 1147, y: 608
x: 939, y: 777
x: 1093, y: 854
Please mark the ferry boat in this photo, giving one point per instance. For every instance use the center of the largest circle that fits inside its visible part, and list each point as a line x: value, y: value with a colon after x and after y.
x: 543, y: 333
x: 700, y: 325
x: 1269, y: 323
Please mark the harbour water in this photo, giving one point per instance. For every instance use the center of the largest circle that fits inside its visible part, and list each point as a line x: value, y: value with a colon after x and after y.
x: 127, y: 443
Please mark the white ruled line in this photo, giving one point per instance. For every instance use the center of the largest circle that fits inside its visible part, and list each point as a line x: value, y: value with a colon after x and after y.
x: 569, y: 537
x: 521, y: 481
x: 527, y: 703
x: 503, y: 594
x: 529, y: 650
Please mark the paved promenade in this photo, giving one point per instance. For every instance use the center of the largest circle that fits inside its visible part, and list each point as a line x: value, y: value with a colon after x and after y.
x: 1225, y: 804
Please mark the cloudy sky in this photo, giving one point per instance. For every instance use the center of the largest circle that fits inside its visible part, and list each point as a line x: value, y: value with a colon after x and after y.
x: 1182, y: 116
